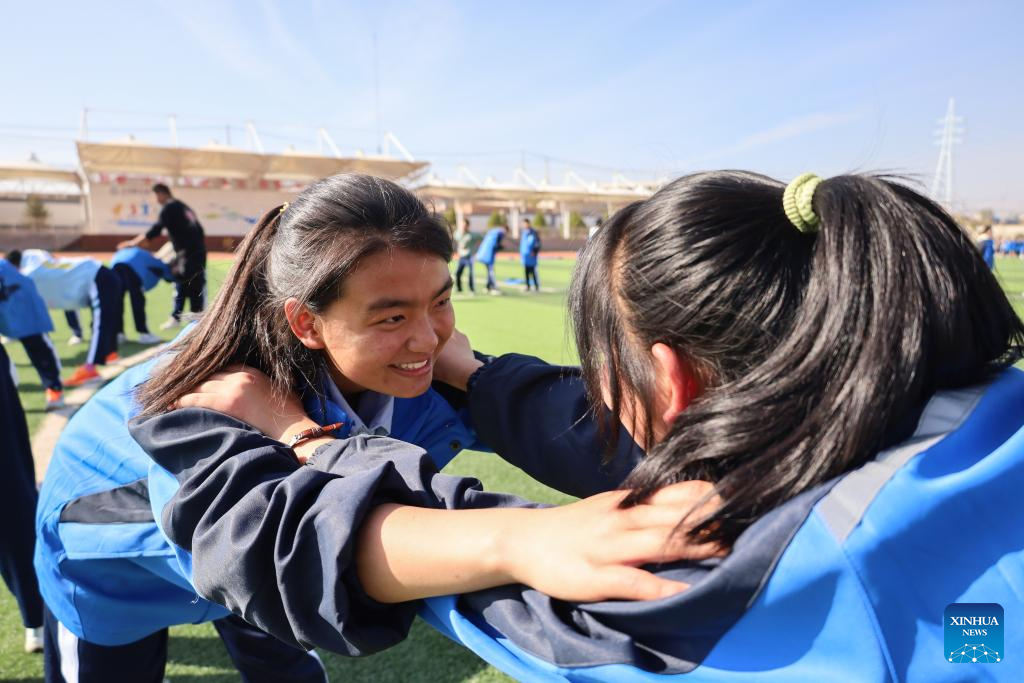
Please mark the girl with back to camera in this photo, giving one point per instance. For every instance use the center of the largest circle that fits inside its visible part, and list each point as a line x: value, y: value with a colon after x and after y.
x: 343, y: 297
x: 834, y: 355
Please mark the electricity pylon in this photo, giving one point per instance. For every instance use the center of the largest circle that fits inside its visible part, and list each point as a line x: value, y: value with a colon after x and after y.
x: 948, y: 135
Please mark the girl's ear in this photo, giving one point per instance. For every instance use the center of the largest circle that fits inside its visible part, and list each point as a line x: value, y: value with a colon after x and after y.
x: 303, y: 324
x: 676, y: 385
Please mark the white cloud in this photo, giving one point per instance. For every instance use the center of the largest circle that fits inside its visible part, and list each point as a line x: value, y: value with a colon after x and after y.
x: 289, y: 50
x: 794, y: 128
x: 217, y: 28
x: 271, y: 54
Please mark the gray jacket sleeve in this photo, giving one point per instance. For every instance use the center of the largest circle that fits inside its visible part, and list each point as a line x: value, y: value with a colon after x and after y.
x: 273, y: 540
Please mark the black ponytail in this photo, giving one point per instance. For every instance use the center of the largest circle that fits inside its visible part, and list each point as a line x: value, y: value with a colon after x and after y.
x: 225, y: 333
x: 817, y: 350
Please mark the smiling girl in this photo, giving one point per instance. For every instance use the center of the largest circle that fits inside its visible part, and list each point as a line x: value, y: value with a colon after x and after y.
x: 343, y: 298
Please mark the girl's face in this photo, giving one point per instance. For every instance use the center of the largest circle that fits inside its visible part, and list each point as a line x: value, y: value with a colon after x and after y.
x: 391, y: 323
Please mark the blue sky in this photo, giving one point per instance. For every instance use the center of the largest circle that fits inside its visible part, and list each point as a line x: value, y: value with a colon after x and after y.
x: 648, y: 87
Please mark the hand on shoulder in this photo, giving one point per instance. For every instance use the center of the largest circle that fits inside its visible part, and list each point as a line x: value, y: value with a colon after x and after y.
x: 247, y: 394
x: 593, y: 549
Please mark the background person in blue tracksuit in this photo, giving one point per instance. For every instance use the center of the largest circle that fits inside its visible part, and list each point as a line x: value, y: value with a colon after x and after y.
x: 139, y: 272
x: 529, y: 248
x: 487, y: 253
x: 30, y: 259
x: 848, y: 483
x: 358, y: 333
x: 23, y: 316
x: 73, y: 283
x: 987, y: 246
x: 17, y: 506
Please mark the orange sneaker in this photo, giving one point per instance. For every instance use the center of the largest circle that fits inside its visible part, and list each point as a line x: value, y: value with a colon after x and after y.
x: 113, y: 356
x: 81, y: 375
x: 54, y: 399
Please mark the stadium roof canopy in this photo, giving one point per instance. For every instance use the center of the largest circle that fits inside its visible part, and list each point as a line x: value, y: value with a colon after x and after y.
x: 524, y: 193
x: 34, y: 177
x: 129, y: 156
x: 36, y: 170
x: 524, y: 189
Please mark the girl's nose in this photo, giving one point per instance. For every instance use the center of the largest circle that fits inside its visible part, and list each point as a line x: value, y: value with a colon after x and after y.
x: 424, y: 337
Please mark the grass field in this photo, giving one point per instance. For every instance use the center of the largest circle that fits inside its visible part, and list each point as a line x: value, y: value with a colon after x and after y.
x: 532, y: 324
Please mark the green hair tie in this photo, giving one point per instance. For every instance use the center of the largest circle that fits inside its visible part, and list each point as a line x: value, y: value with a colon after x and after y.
x: 796, y: 201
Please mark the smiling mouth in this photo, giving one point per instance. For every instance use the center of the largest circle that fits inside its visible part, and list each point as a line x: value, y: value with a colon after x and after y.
x: 412, y: 366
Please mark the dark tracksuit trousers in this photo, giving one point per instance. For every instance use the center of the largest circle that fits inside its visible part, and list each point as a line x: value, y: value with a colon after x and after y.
x: 17, y: 502
x: 190, y: 272
x: 492, y: 281
x: 131, y: 283
x: 107, y: 306
x: 531, y: 271
x: 259, y: 657
x: 74, y: 323
x: 44, y: 359
x: 464, y: 263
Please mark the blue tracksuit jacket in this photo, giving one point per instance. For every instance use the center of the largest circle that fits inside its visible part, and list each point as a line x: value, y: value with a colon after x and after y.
x: 988, y: 252
x: 23, y: 312
x: 64, y: 283
x: 149, y: 268
x: 848, y: 581
x: 490, y: 246
x: 106, y: 568
x: 529, y: 247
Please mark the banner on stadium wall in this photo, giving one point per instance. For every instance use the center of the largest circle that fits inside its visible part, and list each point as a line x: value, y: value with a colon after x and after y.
x: 129, y: 207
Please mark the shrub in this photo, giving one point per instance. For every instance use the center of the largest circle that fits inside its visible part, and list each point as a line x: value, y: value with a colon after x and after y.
x: 497, y: 219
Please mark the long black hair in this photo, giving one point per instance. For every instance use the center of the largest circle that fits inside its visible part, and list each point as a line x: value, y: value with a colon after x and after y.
x: 814, y: 350
x: 304, y: 250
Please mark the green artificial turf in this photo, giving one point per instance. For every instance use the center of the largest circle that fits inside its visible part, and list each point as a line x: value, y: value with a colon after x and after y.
x: 1010, y: 271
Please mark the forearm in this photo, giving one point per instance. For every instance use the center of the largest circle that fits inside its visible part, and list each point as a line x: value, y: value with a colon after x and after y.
x: 586, y: 551
x: 406, y: 553
x: 137, y: 241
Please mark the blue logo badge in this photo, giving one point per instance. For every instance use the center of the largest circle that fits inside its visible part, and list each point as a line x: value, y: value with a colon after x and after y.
x: 974, y: 633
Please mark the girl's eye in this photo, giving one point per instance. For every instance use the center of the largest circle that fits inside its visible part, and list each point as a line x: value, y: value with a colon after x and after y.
x: 444, y: 302
x: 393, y: 320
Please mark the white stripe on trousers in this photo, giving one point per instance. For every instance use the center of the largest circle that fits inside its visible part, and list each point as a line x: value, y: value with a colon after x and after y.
x: 67, y: 646
x: 94, y: 301
x: 314, y: 655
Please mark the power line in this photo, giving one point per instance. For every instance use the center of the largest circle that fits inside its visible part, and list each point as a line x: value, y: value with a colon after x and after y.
x: 23, y: 136
x: 471, y: 154
x: 29, y: 126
